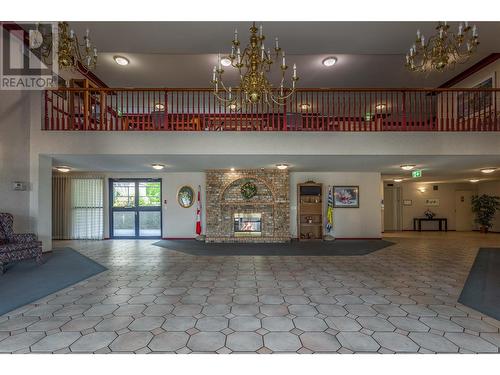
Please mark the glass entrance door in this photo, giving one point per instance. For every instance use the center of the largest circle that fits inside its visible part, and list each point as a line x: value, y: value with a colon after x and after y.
x: 135, y: 208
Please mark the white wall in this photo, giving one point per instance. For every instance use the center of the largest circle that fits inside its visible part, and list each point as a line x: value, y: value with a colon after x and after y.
x: 362, y: 222
x: 492, y: 188
x: 445, y: 194
x: 177, y: 222
x: 14, y: 156
x: 480, y: 76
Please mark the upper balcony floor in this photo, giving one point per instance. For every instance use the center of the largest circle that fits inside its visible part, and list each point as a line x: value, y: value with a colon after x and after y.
x: 308, y: 110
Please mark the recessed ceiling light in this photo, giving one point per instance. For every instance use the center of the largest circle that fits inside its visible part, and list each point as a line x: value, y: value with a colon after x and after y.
x: 282, y: 166
x: 63, y: 169
x: 158, y: 166
x: 159, y: 106
x: 225, y: 61
x: 120, y: 60
x: 329, y: 61
x: 380, y: 106
x: 398, y: 180
x: 305, y: 106
x: 474, y: 180
x: 488, y: 170
x: 407, y: 167
x: 231, y: 169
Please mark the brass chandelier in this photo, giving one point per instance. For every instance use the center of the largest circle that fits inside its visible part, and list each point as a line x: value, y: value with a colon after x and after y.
x: 253, y: 64
x: 442, y: 50
x: 71, y: 53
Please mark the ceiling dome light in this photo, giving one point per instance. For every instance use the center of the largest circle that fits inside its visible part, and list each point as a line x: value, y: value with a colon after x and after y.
x: 398, y: 180
x: 329, y: 61
x: 120, y: 60
x: 305, y: 106
x: 408, y: 167
x: 474, y: 180
x: 488, y: 170
x: 63, y: 169
x: 232, y: 106
x: 159, y: 106
x: 158, y: 166
x: 225, y: 61
x: 380, y: 106
x: 282, y: 166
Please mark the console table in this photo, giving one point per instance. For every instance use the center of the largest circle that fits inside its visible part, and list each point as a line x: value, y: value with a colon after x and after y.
x: 418, y: 220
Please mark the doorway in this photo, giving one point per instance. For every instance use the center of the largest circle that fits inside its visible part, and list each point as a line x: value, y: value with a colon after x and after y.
x: 464, y: 217
x: 135, y: 208
x: 392, y: 208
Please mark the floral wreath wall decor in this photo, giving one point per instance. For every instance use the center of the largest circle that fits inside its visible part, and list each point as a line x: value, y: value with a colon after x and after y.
x: 248, y: 190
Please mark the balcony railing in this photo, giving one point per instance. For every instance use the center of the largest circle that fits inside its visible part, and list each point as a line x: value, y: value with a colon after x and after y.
x: 351, y: 110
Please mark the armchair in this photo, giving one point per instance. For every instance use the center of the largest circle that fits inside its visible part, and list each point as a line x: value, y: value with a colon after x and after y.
x: 14, y: 246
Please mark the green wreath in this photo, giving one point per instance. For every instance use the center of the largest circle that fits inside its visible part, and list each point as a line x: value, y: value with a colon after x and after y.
x: 248, y: 190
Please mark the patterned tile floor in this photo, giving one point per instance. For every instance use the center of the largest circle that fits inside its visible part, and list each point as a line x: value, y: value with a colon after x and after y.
x: 400, y: 299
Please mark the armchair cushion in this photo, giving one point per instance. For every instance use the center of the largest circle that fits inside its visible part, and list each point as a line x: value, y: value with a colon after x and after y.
x: 23, y: 238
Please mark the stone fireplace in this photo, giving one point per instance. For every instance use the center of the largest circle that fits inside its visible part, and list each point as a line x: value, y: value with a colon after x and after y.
x: 233, y: 217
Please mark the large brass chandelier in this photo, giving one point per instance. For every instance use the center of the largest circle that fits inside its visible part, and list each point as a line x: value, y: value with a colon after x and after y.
x: 442, y: 50
x: 253, y: 64
x: 71, y: 53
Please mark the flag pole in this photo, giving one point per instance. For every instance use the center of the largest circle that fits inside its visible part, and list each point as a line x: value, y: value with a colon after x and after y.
x: 329, y: 216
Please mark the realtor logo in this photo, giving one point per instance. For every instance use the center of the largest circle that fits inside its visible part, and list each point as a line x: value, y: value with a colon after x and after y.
x: 28, y: 58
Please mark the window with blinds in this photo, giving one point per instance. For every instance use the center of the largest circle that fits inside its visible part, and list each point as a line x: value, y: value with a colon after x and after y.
x: 87, y: 208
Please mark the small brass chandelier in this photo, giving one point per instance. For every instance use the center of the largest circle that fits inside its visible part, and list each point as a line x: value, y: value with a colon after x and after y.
x: 253, y: 64
x: 71, y: 53
x: 445, y: 49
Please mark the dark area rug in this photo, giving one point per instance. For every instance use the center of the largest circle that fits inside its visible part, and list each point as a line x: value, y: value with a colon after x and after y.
x: 482, y: 288
x: 24, y: 282
x: 293, y: 248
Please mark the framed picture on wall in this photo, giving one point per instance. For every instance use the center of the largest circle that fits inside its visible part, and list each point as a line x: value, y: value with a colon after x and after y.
x: 346, y: 196
x: 432, y: 202
x: 471, y: 103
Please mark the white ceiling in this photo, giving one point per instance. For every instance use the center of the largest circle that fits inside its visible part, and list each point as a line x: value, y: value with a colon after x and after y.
x: 435, y: 168
x: 181, y: 54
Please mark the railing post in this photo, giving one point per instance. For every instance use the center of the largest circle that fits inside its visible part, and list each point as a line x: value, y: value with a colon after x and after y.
x: 285, y: 125
x: 102, y: 110
x: 403, y: 108
x: 46, y: 110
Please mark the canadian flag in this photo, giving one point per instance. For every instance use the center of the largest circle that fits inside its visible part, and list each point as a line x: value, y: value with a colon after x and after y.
x: 198, y: 213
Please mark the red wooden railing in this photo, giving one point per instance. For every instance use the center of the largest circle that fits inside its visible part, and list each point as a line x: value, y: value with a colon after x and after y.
x: 113, y: 109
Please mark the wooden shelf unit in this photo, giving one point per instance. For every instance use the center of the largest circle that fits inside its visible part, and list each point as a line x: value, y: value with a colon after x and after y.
x: 310, y: 211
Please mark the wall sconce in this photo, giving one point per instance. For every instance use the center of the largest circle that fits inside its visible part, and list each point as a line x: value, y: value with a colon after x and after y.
x: 422, y: 189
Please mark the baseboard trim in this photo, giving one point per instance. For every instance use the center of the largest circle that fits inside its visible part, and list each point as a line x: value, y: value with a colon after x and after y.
x: 177, y: 238
x: 425, y: 230
x: 350, y: 238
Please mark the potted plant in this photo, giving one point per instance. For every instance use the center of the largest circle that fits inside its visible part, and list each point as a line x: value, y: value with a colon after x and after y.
x: 484, y: 207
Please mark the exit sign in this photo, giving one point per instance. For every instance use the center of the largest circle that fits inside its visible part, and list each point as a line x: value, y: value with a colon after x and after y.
x: 416, y: 173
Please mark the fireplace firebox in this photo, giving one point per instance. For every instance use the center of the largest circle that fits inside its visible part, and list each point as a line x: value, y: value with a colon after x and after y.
x: 247, y: 224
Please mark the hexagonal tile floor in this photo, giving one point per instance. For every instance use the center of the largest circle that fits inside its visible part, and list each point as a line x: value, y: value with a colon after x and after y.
x: 401, y: 299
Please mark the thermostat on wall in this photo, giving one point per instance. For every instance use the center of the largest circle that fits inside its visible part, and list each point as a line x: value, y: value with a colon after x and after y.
x: 18, y: 185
